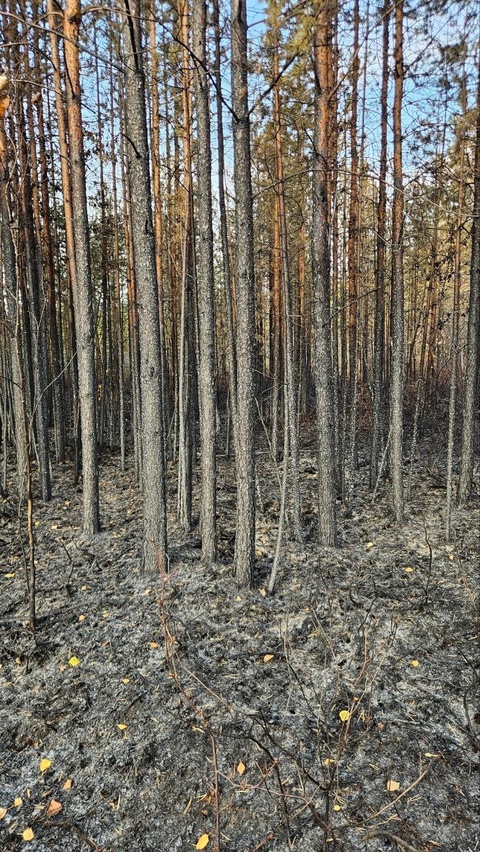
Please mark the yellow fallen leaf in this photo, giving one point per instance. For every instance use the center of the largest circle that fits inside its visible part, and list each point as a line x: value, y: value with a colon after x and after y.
x: 45, y: 764
x: 241, y: 768
x: 122, y: 727
x: 153, y: 644
x: 18, y: 802
x: 337, y: 808
x: 368, y: 545
x: 202, y: 842
x: 54, y: 808
x: 267, y: 658
x: 429, y: 754
x: 9, y: 576
x: 344, y: 715
x: 28, y: 834
x: 408, y: 569
x: 68, y: 784
x: 393, y: 786
x: 125, y: 680
x: 3, y: 811
x: 328, y: 761
x: 81, y: 618
x: 74, y: 661
x: 415, y: 664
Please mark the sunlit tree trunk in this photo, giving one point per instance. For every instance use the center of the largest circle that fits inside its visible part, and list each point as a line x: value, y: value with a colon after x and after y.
x: 457, y: 280
x: 290, y: 376
x: 205, y: 285
x: 133, y: 333
x: 83, y: 283
x: 222, y: 209
x: 353, y: 241
x: 473, y: 342
x: 54, y: 17
x: 321, y: 281
x: 245, y: 302
x: 157, y: 208
x: 379, y: 323
x: 187, y: 336
x: 118, y: 311
x: 396, y: 331
x: 153, y: 460
x: 275, y: 328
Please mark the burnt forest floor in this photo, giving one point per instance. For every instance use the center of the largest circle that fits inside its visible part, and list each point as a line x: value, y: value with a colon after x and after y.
x: 339, y: 713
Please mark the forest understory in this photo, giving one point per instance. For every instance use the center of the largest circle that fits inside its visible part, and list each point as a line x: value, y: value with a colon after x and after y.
x: 159, y: 713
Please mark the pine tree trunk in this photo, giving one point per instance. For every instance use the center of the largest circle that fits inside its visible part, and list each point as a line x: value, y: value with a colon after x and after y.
x: 157, y: 211
x: 290, y: 386
x: 12, y: 302
x: 396, y: 331
x: 473, y: 345
x: 153, y: 461
x: 29, y: 202
x: 245, y: 302
x: 455, y: 322
x: 187, y: 337
x: 321, y: 283
x: 83, y: 283
x: 54, y: 342
x: 205, y: 285
x: 379, y: 323
x: 222, y: 209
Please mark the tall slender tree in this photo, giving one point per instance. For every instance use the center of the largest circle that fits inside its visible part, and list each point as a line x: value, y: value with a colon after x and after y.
x: 245, y: 302
x: 457, y: 280
x: 187, y: 335
x: 321, y: 277
x: 379, y: 322
x: 12, y: 297
x: 222, y: 210
x: 83, y: 281
x: 290, y: 373
x: 153, y: 455
x: 473, y: 341
x: 396, y: 331
x: 205, y: 283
